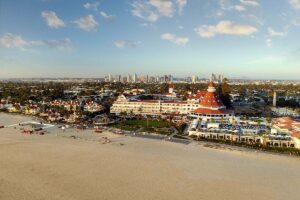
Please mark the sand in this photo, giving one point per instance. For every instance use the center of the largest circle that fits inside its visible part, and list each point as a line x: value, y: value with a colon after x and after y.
x: 55, y: 166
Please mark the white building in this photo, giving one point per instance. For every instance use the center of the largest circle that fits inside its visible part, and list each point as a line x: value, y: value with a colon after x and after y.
x: 209, y: 107
x: 152, y: 107
x: 134, y: 78
x: 194, y: 79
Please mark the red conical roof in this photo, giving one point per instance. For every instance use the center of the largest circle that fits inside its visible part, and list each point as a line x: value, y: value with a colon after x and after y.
x: 212, y: 104
x: 211, y: 99
x: 211, y: 84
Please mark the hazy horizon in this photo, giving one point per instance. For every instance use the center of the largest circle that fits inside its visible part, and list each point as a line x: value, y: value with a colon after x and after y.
x: 143, y: 75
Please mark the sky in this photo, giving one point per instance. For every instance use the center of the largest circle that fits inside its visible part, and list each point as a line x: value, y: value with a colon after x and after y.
x: 257, y: 39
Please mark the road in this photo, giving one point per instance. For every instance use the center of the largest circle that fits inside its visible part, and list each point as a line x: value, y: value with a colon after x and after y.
x: 158, y: 137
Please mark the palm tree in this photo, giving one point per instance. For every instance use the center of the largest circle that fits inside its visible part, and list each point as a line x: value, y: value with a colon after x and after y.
x: 140, y: 111
x: 131, y: 113
x: 222, y: 120
x: 147, y: 120
x: 123, y: 114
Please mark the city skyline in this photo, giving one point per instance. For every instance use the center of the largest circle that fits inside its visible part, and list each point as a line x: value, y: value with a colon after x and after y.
x: 90, y: 39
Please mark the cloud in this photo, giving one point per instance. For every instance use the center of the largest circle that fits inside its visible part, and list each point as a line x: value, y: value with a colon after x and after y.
x: 225, y: 4
x: 152, y: 10
x: 269, y: 42
x: 106, y: 16
x: 52, y: 19
x: 239, y: 8
x: 10, y: 40
x: 87, y: 23
x: 63, y: 44
x: 295, y: 4
x: 295, y: 21
x: 242, y: 6
x: 273, y: 33
x: 126, y: 44
x: 224, y: 27
x: 153, y: 17
x: 164, y: 7
x: 175, y: 39
x: 251, y: 3
x: 92, y: 6
x: 181, y: 4
x: 254, y: 19
x: 145, y: 24
x: 144, y: 11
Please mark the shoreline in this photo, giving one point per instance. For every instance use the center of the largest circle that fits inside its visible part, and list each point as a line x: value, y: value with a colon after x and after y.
x: 213, y: 145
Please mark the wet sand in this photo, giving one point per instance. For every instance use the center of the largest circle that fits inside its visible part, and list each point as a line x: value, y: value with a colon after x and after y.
x: 55, y: 166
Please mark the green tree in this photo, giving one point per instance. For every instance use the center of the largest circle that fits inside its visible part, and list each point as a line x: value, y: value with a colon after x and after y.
x: 225, y: 91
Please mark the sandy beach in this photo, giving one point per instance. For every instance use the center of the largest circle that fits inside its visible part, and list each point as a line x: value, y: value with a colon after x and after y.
x: 57, y: 166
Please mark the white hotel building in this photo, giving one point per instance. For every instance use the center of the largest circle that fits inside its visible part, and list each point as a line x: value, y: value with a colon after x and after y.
x: 205, y: 105
x: 152, y: 107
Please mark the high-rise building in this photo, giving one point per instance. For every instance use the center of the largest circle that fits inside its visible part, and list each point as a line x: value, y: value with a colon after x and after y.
x: 170, y: 78
x: 221, y: 78
x: 134, y: 78
x: 275, y: 99
x: 109, y: 78
x: 194, y: 79
x: 128, y: 78
x: 152, y: 79
x: 157, y: 79
x: 166, y: 78
x: 117, y: 78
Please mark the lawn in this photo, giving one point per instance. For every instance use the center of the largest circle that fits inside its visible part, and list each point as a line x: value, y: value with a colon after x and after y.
x: 150, y: 123
x: 154, y: 126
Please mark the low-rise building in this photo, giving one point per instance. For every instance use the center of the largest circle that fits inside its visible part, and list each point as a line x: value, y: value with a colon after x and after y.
x: 32, y: 110
x: 151, y: 107
x: 15, y: 108
x: 197, y: 106
x: 289, y: 126
x: 93, y: 107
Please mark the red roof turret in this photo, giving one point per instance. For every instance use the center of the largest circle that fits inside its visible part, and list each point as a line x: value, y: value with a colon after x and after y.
x: 211, y: 103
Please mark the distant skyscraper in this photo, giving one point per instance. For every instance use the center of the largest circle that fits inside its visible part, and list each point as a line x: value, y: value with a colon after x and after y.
x: 134, y: 78
x: 170, y: 78
x: 275, y: 99
x: 157, y: 79
x: 152, y: 79
x: 128, y: 78
x: 166, y: 78
x: 221, y: 78
x: 194, y: 79
x: 109, y: 78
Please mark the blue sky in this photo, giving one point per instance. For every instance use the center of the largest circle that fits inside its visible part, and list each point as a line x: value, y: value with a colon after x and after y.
x: 238, y: 38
